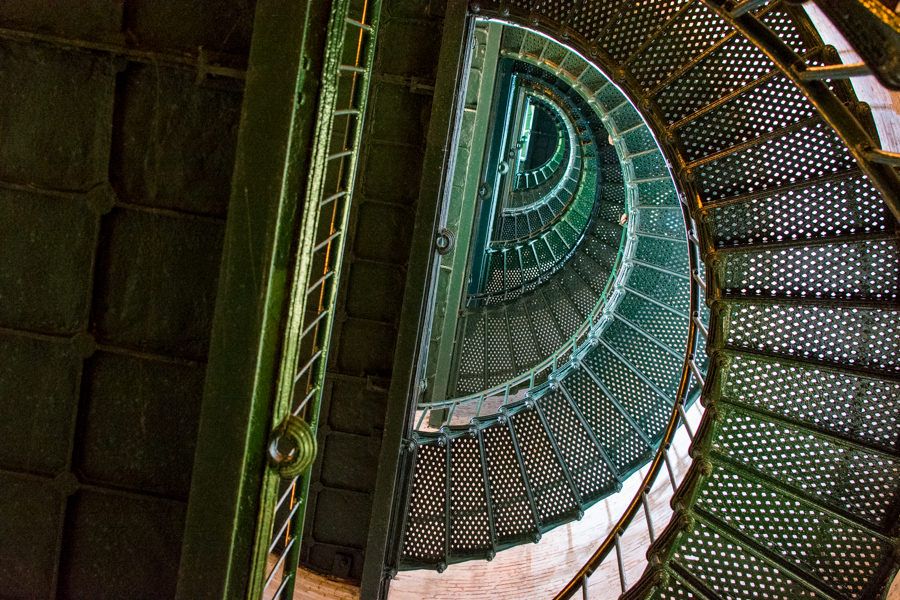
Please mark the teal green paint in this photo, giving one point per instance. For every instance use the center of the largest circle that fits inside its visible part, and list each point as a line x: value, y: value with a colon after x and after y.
x: 463, y: 205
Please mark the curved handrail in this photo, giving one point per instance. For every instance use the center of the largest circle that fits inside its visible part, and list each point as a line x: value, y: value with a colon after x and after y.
x: 689, y: 371
x: 540, y: 373
x: 553, y: 362
x: 553, y: 162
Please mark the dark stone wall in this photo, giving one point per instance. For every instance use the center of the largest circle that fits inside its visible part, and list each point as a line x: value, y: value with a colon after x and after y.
x: 117, y: 129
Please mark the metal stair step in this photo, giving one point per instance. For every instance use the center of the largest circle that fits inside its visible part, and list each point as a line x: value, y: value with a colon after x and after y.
x: 857, y: 407
x: 555, y: 498
x: 649, y: 410
x: 590, y: 469
x: 866, y: 270
x: 469, y: 535
x: 852, y: 481
x: 621, y: 441
x: 512, y: 507
x: 865, y: 338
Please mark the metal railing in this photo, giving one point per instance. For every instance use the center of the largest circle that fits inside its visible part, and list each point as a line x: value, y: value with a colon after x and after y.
x: 874, y: 161
x: 538, y: 377
x: 539, y: 175
x: 349, y: 53
x: 524, y: 199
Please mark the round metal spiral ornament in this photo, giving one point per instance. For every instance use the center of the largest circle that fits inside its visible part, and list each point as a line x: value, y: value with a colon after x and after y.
x: 292, y: 448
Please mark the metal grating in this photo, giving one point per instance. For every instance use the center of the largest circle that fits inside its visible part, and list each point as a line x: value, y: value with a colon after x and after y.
x: 664, y: 288
x: 548, y: 337
x: 659, y: 366
x: 845, y: 560
x: 642, y: 19
x: 469, y: 526
x: 590, y: 472
x: 808, y: 152
x: 471, y: 361
x: 656, y: 193
x: 728, y: 68
x: 858, y: 271
x: 638, y: 140
x: 788, y: 29
x: 513, y: 517
x: 673, y: 588
x: 592, y: 17
x: 848, y: 478
x: 553, y: 498
x: 524, y: 344
x: 618, y: 438
x: 647, y: 408
x: 424, y: 540
x: 853, y: 336
x: 668, y: 223
x: 696, y: 30
x: 829, y: 207
x: 850, y: 405
x: 626, y: 118
x: 561, y: 304
x: 663, y: 325
x: 650, y: 164
x: 729, y: 569
x: 670, y: 255
x: 497, y: 348
x: 772, y: 104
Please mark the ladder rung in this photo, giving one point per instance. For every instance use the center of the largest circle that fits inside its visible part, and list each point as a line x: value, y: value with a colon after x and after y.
x: 319, y: 282
x: 333, y: 197
x: 340, y: 154
x: 327, y: 240
x: 277, y: 566
x: 315, y: 322
x: 306, y: 367
x: 835, y: 72
x: 358, y: 24
x: 742, y: 8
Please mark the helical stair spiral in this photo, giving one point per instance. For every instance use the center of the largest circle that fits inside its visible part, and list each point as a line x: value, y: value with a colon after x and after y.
x: 794, y: 489
x: 611, y: 313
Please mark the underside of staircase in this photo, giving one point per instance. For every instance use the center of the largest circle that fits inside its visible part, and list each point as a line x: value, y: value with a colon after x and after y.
x: 794, y: 490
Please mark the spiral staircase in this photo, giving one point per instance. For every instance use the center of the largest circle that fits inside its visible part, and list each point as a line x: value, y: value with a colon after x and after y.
x: 794, y: 490
x: 156, y: 438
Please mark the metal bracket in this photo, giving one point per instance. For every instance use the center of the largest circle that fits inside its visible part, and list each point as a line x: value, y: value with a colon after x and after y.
x: 292, y: 448
x: 444, y: 241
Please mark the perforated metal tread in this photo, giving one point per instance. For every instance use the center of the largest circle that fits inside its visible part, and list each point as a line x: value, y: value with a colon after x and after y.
x: 795, y: 488
x: 544, y: 461
x: 808, y: 376
x: 499, y: 342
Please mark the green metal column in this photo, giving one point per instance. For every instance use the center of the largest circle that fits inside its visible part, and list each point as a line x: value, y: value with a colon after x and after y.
x: 462, y: 206
x: 305, y: 96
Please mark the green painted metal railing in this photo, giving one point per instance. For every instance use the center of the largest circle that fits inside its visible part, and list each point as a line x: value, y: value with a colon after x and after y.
x: 349, y: 52
x: 538, y: 376
x: 540, y: 174
x: 675, y: 579
x: 631, y: 140
x: 752, y: 297
x: 530, y: 197
x: 691, y: 376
